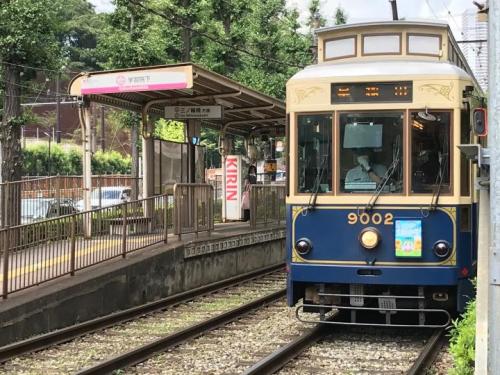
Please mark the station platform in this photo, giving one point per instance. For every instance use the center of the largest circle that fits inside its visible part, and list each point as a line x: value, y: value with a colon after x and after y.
x: 144, y: 275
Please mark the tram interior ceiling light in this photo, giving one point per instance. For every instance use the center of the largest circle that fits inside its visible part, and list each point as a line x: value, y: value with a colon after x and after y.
x: 303, y: 246
x: 427, y: 116
x: 442, y: 248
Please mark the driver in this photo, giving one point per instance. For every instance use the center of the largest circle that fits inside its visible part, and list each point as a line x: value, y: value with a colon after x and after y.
x: 366, y: 170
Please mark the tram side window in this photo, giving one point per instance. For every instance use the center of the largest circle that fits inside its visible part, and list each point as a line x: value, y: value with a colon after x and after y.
x: 371, y: 152
x: 430, y: 148
x: 314, y: 153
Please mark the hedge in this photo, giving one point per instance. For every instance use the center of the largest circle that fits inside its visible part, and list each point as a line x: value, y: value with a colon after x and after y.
x: 462, y: 342
x: 36, y: 161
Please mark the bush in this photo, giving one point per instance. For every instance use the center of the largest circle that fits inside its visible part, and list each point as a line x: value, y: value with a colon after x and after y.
x: 36, y: 161
x: 462, y: 342
x: 110, y: 162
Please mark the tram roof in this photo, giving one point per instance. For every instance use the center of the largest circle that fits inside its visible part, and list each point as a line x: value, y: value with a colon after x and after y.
x: 407, y: 23
x: 245, y: 110
x: 359, y: 69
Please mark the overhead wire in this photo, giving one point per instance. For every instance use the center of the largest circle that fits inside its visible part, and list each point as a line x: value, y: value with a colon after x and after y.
x: 211, y: 37
x: 38, y: 69
x: 458, y: 26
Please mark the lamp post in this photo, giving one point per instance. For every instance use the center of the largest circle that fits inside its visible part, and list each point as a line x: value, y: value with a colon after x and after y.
x: 49, y: 159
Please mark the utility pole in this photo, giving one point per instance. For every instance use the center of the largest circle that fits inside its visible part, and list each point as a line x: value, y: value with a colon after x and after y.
x: 316, y: 25
x: 186, y: 32
x: 493, y: 143
x: 103, y: 134
x: 58, y: 107
x: 394, y: 6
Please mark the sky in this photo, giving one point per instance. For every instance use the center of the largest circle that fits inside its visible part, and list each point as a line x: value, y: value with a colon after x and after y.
x: 363, y: 10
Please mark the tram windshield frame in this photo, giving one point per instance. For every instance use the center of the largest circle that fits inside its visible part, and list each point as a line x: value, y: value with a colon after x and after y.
x: 325, y: 154
x: 370, y: 154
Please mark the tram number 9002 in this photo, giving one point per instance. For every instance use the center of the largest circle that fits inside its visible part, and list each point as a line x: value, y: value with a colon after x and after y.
x: 365, y: 218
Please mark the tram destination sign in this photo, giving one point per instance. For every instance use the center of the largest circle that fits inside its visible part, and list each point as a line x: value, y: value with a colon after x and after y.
x: 369, y: 92
x: 180, y: 112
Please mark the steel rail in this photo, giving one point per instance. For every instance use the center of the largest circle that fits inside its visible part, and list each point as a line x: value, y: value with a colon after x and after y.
x: 428, y: 353
x: 285, y: 354
x: 145, y: 352
x: 41, y: 342
x: 282, y: 356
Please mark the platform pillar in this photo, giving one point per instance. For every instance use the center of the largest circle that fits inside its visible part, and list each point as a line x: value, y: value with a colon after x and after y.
x: 147, y: 164
x: 493, y: 143
x: 87, y: 168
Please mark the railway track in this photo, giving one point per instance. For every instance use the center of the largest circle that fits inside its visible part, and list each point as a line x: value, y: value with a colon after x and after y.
x: 327, y: 349
x: 131, y: 336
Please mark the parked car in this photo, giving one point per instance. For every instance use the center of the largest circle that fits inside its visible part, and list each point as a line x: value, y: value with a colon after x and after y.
x: 38, y: 209
x: 107, y: 196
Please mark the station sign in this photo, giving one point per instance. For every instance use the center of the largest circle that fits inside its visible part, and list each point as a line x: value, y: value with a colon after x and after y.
x: 137, y: 81
x: 180, y: 112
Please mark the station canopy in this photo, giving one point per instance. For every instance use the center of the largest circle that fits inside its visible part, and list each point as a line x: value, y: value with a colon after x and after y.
x: 151, y: 89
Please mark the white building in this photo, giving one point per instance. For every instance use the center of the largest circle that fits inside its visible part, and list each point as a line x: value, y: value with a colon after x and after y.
x: 476, y: 53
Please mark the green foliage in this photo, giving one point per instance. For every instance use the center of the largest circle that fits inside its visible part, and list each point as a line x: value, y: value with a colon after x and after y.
x: 315, y: 19
x: 110, y: 162
x: 210, y: 139
x: 28, y: 32
x: 134, y: 37
x: 169, y: 130
x: 462, y: 342
x: 78, y: 34
x: 340, y: 16
x: 37, y: 161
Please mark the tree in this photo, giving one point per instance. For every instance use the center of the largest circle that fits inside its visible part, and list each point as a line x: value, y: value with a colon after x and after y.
x: 26, y: 26
x: 169, y: 130
x: 27, y: 38
x: 340, y: 16
x: 315, y: 18
x: 78, y: 34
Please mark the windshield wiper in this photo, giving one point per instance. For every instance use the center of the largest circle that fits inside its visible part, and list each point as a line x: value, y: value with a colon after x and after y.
x: 373, y: 199
x: 440, y: 177
x: 388, y: 174
x: 317, y: 184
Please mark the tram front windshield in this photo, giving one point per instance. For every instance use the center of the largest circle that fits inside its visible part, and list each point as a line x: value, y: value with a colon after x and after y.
x: 371, y: 152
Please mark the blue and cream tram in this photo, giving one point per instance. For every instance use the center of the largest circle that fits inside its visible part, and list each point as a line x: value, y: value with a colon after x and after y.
x: 381, y: 210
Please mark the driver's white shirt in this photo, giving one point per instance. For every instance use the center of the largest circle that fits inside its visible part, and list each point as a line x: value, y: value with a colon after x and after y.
x: 357, y: 174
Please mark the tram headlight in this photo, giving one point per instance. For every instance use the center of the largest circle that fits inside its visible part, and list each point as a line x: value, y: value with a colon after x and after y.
x: 369, y: 238
x: 303, y: 246
x: 442, y: 248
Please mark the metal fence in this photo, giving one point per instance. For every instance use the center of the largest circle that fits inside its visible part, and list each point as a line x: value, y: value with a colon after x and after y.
x: 267, y: 204
x: 218, y: 192
x: 193, y: 208
x: 35, y: 199
x: 42, y: 251
x: 34, y: 253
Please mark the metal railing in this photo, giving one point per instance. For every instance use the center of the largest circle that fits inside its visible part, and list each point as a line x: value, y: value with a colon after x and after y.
x: 218, y: 191
x: 35, y: 253
x: 193, y: 207
x: 34, y: 199
x: 267, y: 204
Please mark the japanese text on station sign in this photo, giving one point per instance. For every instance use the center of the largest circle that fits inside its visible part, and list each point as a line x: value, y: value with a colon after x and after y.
x: 200, y: 112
